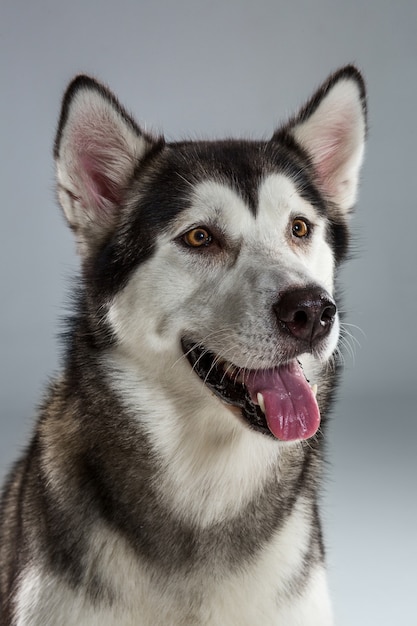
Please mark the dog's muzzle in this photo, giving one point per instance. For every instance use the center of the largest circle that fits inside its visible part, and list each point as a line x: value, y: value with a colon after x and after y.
x: 278, y: 400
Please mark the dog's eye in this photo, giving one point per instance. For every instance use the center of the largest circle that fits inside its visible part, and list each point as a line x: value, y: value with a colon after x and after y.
x: 197, y: 237
x: 300, y: 228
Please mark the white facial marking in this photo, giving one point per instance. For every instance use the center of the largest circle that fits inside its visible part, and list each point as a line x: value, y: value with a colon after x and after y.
x: 224, y: 300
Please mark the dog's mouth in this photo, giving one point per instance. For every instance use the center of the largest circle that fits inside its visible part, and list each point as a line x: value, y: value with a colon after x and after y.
x: 278, y: 401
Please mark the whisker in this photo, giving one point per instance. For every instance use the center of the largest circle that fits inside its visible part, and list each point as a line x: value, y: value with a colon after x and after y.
x: 218, y: 334
x: 218, y: 359
x: 347, y: 333
x: 343, y: 341
x: 343, y: 324
x: 226, y: 372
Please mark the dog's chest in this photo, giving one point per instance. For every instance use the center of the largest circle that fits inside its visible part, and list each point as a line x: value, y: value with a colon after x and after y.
x: 259, y: 592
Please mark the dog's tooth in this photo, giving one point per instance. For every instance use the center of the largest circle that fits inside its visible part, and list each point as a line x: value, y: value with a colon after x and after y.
x: 261, y: 402
x: 314, y: 389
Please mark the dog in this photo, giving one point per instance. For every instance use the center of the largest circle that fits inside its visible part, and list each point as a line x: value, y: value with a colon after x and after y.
x: 174, y: 470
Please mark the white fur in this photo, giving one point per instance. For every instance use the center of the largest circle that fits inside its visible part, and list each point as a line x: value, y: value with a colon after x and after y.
x: 256, y: 596
x: 212, y: 463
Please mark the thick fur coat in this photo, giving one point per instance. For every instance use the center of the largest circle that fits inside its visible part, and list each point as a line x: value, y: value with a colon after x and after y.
x: 174, y: 469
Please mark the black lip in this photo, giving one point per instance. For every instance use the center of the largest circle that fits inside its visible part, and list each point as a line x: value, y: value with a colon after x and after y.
x: 230, y: 391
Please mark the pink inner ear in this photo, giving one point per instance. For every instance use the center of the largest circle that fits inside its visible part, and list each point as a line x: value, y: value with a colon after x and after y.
x: 100, y: 189
x: 330, y: 152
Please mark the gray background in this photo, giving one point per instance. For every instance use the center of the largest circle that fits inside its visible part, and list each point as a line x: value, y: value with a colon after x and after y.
x: 219, y: 68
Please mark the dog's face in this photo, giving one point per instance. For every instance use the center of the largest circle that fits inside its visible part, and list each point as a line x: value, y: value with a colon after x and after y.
x: 212, y: 263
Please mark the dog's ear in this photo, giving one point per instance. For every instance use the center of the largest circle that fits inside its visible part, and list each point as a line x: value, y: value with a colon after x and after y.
x: 97, y: 149
x: 331, y: 128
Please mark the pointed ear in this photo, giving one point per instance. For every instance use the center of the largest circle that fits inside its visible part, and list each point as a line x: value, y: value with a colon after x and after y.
x: 331, y: 128
x: 97, y: 150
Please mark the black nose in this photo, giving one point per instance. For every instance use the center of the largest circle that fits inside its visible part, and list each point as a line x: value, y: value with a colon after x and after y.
x: 307, y: 313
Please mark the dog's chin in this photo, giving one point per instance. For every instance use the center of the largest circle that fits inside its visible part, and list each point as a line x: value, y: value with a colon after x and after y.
x: 239, y: 388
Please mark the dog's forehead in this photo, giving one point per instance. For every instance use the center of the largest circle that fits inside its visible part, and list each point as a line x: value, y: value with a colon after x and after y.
x: 214, y: 202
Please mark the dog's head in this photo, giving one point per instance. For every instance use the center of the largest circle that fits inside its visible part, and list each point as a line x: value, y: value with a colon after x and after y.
x: 211, y: 265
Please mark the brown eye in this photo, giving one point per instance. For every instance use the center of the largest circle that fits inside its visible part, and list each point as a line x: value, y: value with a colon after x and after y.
x: 197, y: 237
x: 300, y: 228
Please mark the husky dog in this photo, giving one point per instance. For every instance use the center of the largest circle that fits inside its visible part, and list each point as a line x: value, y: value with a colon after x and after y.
x: 173, y: 474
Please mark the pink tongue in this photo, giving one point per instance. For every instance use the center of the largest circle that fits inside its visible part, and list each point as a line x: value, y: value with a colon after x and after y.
x: 291, y: 408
